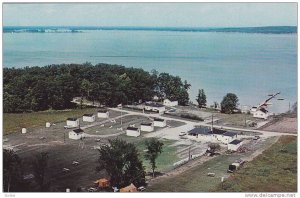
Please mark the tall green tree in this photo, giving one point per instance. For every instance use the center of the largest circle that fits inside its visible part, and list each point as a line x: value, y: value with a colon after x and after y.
x: 229, y: 103
x: 121, y: 162
x: 154, y: 148
x: 12, y: 172
x: 201, y: 98
x: 40, y: 165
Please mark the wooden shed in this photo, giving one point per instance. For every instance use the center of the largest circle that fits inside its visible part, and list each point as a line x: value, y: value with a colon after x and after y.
x: 130, y: 188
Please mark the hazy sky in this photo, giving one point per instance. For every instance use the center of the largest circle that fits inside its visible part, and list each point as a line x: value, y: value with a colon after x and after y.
x: 151, y: 14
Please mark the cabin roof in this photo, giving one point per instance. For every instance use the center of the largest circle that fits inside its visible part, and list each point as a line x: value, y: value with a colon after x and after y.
x: 218, y: 131
x: 102, y: 110
x: 78, y: 131
x: 230, y: 134
x: 132, y: 128
x: 147, y: 123
x: 263, y: 110
x: 159, y: 119
x: 154, y: 105
x: 235, y: 142
x: 72, y: 119
x: 200, y: 130
x: 88, y: 115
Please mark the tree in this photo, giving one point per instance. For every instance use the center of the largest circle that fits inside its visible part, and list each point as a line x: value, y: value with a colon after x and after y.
x: 121, y: 162
x: 12, y: 172
x: 201, y: 98
x: 213, y: 147
x: 215, y: 105
x: 39, y: 170
x: 229, y: 103
x: 154, y: 148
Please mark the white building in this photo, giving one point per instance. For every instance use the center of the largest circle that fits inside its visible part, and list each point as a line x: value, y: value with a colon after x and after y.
x: 72, y: 122
x: 234, y: 145
x: 147, y: 127
x: 261, y: 113
x: 170, y: 103
x: 88, y: 118
x: 133, y: 131
x: 207, y: 135
x: 159, y: 108
x: 160, y: 122
x: 76, y: 134
x: 103, y: 113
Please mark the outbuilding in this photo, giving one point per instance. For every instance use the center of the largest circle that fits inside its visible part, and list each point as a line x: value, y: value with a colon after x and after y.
x: 151, y: 106
x: 261, y: 113
x: 72, y: 122
x: 88, y: 118
x: 133, y: 131
x: 147, y: 127
x: 227, y: 137
x: 76, y: 134
x: 160, y: 122
x: 234, y: 145
x: 170, y: 103
x: 103, y: 113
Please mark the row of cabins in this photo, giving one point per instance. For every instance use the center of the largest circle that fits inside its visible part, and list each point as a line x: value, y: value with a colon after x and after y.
x: 147, y: 127
x: 214, y: 135
x: 74, y: 122
x: 160, y: 108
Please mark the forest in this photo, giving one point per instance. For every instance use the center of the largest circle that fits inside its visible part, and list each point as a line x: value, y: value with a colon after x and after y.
x: 54, y: 86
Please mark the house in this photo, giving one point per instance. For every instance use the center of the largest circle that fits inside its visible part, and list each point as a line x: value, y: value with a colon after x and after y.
x: 234, y: 145
x: 160, y: 122
x: 130, y: 188
x: 215, y: 135
x: 103, y: 113
x: 151, y: 106
x: 72, y: 122
x: 133, y: 131
x: 261, y: 113
x: 88, y: 118
x: 147, y: 127
x: 170, y: 103
x: 76, y: 134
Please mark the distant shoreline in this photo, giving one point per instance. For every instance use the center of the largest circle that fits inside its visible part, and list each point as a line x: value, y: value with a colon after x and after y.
x: 80, y: 29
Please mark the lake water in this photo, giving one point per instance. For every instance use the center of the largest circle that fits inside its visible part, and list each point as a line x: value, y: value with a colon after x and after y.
x: 250, y: 65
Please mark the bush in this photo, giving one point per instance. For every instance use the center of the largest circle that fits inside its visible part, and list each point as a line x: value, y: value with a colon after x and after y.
x: 192, y: 117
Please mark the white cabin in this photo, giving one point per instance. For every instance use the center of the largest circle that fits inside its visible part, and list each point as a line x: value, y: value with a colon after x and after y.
x: 160, y: 122
x: 76, y: 134
x: 159, y: 108
x: 103, y: 113
x: 149, y: 127
x: 234, y: 145
x: 133, y: 131
x: 261, y: 113
x: 226, y: 137
x: 88, y: 118
x: 170, y: 103
x: 72, y: 122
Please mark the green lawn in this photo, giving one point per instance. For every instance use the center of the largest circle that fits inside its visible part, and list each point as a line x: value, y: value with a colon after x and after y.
x: 273, y: 171
x: 13, y: 122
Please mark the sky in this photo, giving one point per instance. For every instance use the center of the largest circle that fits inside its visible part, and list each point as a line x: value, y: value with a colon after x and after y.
x: 151, y: 14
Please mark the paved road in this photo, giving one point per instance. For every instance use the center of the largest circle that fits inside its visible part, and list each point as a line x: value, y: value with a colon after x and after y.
x: 170, y: 132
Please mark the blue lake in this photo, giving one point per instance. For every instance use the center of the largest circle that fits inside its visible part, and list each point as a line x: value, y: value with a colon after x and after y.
x: 248, y: 64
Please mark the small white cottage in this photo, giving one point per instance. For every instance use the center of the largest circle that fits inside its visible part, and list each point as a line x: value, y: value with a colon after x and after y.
x: 133, y: 131
x: 170, y: 103
x: 227, y: 137
x: 103, y: 113
x: 160, y: 122
x: 234, y: 145
x: 147, y: 127
x: 159, y: 108
x: 261, y: 113
x: 76, y: 134
x: 88, y: 118
x: 72, y: 122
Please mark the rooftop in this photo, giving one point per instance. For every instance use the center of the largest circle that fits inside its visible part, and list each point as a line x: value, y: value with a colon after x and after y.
x: 78, y: 131
x: 159, y: 119
x: 147, y: 124
x: 200, y: 130
x: 132, y: 128
x: 88, y: 115
x: 154, y: 105
x: 102, y: 110
x: 230, y: 134
x: 235, y: 142
x: 72, y: 119
x: 218, y: 131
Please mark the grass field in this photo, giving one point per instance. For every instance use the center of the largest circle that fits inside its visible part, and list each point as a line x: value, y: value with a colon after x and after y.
x: 273, y: 171
x: 13, y: 122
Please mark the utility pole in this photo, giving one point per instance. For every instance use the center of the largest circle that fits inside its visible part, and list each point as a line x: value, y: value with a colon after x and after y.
x: 64, y: 137
x: 212, y: 123
x: 189, y: 153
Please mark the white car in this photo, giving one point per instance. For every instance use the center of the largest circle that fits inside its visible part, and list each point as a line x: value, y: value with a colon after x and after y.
x: 141, y: 188
x: 182, y: 134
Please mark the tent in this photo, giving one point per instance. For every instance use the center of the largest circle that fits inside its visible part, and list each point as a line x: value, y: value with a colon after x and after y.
x: 130, y: 188
x: 102, y: 183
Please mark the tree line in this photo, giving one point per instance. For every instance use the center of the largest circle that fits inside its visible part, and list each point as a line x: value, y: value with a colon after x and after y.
x: 54, y: 86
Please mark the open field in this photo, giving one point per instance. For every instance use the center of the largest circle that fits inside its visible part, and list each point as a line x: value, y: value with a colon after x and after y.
x: 282, y: 123
x: 273, y: 171
x: 195, y: 179
x: 14, y: 122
